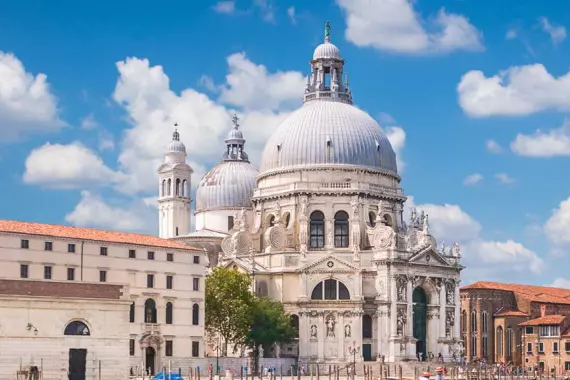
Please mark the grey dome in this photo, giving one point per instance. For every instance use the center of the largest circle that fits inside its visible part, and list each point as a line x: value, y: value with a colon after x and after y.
x: 228, y: 185
x: 326, y: 50
x: 328, y: 133
x: 176, y: 146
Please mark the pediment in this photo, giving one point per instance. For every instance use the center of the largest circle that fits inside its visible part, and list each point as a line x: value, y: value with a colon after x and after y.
x: 429, y: 256
x: 329, y: 263
x: 244, y: 266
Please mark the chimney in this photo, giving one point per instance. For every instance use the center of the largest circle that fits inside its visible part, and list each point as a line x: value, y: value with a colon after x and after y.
x: 542, y: 310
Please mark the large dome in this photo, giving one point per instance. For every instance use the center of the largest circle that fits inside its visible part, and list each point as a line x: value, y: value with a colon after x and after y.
x: 328, y: 133
x: 228, y: 185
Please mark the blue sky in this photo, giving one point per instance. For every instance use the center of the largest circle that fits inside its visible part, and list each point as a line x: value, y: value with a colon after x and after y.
x: 89, y: 93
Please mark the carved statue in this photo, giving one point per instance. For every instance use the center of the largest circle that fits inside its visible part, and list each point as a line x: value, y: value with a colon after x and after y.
x: 379, y: 285
x: 400, y: 322
x: 220, y: 257
x: 442, y: 248
x: 347, y: 331
x: 303, y: 210
x: 330, y: 238
x: 313, y: 331
x: 401, y: 290
x: 456, y: 250
x: 234, y: 245
x: 413, y: 216
x: 380, y: 206
x: 236, y: 219
x: 449, y: 323
x: 242, y: 219
x: 450, y: 292
x: 354, y: 203
x: 330, y: 326
x: 303, y: 251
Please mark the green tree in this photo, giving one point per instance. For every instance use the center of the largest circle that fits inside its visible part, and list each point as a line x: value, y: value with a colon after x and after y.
x: 229, y: 305
x: 270, y: 324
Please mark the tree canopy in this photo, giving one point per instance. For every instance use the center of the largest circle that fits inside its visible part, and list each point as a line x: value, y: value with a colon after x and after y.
x: 270, y: 324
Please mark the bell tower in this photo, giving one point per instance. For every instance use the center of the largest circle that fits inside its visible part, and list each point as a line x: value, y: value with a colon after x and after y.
x: 174, y: 191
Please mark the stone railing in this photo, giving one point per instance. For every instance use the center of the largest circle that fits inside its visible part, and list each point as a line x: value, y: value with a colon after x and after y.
x: 329, y: 187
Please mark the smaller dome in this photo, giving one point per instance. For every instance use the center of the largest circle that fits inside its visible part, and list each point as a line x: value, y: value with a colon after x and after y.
x: 235, y: 134
x: 176, y: 146
x: 326, y: 50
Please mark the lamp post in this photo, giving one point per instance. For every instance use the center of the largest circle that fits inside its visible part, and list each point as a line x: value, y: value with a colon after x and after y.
x: 218, y: 356
x: 353, y: 350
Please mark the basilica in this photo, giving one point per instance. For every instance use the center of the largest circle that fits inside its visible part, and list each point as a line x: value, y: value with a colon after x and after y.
x: 320, y: 228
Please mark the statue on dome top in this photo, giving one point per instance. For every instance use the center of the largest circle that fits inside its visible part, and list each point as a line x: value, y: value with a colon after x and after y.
x: 327, y: 31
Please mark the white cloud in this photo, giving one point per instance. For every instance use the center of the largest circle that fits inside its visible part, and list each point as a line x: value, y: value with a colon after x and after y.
x: 493, y: 147
x: 207, y: 82
x: 26, y: 102
x: 511, y: 34
x: 557, y: 33
x: 517, y: 91
x: 266, y: 9
x: 561, y: 283
x: 473, y: 179
x: 449, y: 223
x: 226, y: 7
x: 394, y: 25
x: 554, y: 142
x: 397, y: 138
x: 385, y: 118
x: 292, y: 15
x: 250, y: 86
x: 557, y: 227
x: 93, y: 211
x: 89, y: 122
x: 504, y: 178
x: 67, y: 167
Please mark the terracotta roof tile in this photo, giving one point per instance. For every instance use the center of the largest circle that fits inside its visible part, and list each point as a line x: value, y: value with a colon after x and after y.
x: 546, y: 320
x: 60, y: 231
x: 532, y: 293
x: 510, y: 313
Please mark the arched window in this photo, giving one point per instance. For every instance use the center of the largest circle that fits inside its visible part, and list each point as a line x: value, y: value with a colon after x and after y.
x: 168, y: 186
x: 185, y: 188
x: 270, y: 220
x: 485, y: 330
x: 372, y: 219
x: 473, y: 321
x: 464, y: 321
x: 499, y: 342
x: 132, y: 313
x: 150, y: 311
x: 484, y: 326
x: 341, y: 229
x: 163, y: 189
x: 317, y: 229
x: 195, y: 314
x: 295, y: 323
x: 330, y: 290
x: 509, y: 343
x: 77, y: 328
x: 169, y: 313
x: 178, y: 183
x: 387, y: 220
x: 366, y: 326
x: 474, y: 346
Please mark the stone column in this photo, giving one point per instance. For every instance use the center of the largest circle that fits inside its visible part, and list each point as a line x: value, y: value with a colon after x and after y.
x: 322, y: 335
x: 457, y: 325
x: 442, y: 303
x: 357, y: 331
x: 410, y: 320
x: 304, y: 334
x: 380, y: 333
x: 303, y: 287
x: 357, y: 285
x: 340, y: 338
x: 393, y: 306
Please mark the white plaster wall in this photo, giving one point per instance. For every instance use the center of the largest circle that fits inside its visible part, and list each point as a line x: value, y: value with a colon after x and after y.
x: 217, y: 220
x: 108, y: 343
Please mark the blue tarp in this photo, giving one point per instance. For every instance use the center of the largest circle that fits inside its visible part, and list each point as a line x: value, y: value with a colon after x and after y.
x: 166, y: 376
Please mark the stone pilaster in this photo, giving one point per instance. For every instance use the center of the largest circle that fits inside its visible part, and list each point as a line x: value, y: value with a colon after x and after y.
x: 442, y: 304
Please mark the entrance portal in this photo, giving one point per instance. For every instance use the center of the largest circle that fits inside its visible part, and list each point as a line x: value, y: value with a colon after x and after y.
x: 150, y: 357
x: 77, y: 362
x: 419, y: 300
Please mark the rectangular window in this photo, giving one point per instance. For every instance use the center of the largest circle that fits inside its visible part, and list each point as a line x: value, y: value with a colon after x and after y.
x: 549, y: 331
x: 102, y: 276
x: 103, y: 251
x: 555, y: 347
x: 23, y: 270
x: 170, y: 257
x: 150, y: 255
x: 567, y: 366
x: 567, y: 346
x: 24, y: 244
x: 541, y: 348
x: 529, y: 348
x: 196, y: 259
x: 132, y: 347
x: 230, y: 222
x: 529, y: 330
x: 195, y: 349
x: 196, y: 284
x: 168, y: 348
x: 132, y: 254
x: 150, y: 280
x: 71, y: 248
x: 47, y: 273
x: 70, y: 274
x: 48, y: 246
x: 169, y: 282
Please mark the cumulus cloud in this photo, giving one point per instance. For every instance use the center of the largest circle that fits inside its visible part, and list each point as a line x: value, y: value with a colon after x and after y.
x: 493, y: 147
x: 558, y: 224
x: 67, y: 167
x: 485, y: 258
x: 226, y: 7
x: 93, y: 211
x: 550, y: 143
x: 394, y: 25
x: 517, y: 91
x: 292, y: 15
x: 561, y: 282
x: 504, y: 178
x: 27, y: 104
x: 557, y: 33
x: 473, y: 179
x: 397, y: 138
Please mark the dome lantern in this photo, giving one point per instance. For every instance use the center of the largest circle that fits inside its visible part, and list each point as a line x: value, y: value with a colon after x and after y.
x: 235, y: 143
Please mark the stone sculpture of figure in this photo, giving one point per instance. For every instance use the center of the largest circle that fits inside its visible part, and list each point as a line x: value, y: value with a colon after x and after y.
x: 456, y: 250
x: 330, y: 327
x: 380, y: 206
x: 220, y: 258
x: 354, y: 204
x: 242, y: 219
x: 234, y: 245
x: 379, y: 285
x: 449, y: 322
x: 413, y: 215
x: 450, y: 292
x: 347, y: 332
x: 303, y: 210
x: 401, y: 288
x: 400, y: 322
x: 442, y: 249
x: 330, y: 238
x: 313, y: 331
x: 303, y: 251
x: 236, y: 220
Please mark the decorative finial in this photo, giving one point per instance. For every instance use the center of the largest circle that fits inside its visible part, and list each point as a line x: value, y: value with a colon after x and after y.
x: 235, y: 120
x: 327, y: 31
x: 176, y: 135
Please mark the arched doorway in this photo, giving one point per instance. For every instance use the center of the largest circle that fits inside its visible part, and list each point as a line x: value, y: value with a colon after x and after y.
x: 150, y: 358
x: 419, y: 299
